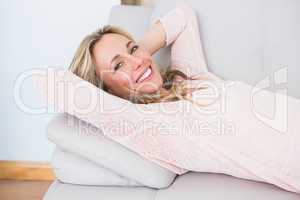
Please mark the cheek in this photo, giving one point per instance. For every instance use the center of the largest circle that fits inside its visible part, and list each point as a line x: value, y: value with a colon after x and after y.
x: 119, y: 80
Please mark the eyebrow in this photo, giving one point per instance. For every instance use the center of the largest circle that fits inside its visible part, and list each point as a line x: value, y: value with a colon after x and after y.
x: 128, y: 43
x: 118, y: 55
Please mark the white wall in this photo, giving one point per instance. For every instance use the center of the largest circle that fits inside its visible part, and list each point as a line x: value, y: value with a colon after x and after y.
x: 37, y: 34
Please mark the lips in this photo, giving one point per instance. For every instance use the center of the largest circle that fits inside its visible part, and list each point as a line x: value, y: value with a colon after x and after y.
x: 147, y: 73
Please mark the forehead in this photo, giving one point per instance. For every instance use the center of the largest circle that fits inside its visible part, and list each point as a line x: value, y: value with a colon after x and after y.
x: 107, y: 47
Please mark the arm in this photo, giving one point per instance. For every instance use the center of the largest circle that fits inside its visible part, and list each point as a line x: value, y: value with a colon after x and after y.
x: 154, y: 39
x: 180, y: 29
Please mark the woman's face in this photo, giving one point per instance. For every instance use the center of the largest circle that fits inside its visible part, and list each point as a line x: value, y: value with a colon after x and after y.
x: 123, y: 66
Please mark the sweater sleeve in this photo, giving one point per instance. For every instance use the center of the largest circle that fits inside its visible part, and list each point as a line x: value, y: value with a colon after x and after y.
x: 182, y: 33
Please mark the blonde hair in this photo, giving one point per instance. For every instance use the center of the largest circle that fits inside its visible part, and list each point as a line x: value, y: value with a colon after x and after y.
x: 83, y: 66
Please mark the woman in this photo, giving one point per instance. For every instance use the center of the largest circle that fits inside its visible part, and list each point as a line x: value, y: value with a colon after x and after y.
x: 111, y: 59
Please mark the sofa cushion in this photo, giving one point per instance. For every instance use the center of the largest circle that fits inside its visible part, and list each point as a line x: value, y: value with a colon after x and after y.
x: 248, y: 40
x: 191, y: 186
x: 87, y: 141
x: 231, y: 32
x: 74, y: 169
x: 195, y: 186
x: 134, y: 19
x: 63, y: 191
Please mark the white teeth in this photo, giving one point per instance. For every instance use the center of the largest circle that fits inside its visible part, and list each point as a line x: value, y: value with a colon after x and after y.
x: 145, y: 75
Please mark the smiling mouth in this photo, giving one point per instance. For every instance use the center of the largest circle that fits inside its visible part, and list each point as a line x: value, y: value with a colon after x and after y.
x: 145, y: 75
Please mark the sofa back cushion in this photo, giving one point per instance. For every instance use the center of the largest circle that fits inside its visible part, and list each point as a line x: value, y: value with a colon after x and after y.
x: 247, y: 40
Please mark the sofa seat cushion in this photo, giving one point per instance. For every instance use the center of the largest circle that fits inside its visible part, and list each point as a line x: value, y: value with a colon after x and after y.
x: 195, y: 186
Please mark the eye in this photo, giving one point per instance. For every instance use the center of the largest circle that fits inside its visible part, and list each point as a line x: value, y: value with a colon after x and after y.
x: 133, y: 49
x: 117, y: 66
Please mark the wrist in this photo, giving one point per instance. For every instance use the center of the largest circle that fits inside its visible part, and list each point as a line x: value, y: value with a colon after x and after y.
x: 154, y: 38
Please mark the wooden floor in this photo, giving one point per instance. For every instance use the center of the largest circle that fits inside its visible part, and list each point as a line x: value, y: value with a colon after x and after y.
x: 23, y: 190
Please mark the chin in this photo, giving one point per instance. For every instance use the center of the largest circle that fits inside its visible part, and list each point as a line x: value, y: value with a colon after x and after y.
x: 152, y: 86
x: 148, y: 90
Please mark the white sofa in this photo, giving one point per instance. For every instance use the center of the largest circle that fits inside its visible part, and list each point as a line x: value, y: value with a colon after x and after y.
x: 244, y: 40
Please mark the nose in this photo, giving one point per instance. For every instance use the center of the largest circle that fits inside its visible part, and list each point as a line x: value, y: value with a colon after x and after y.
x: 134, y: 61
